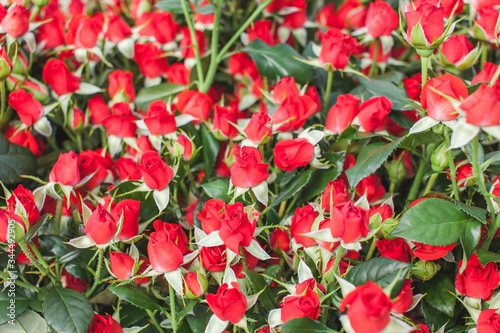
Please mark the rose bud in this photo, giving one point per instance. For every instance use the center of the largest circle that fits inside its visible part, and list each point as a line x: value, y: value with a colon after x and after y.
x: 211, y: 215
x: 27, y: 200
x: 381, y: 19
x: 214, y: 258
x: 372, y: 187
x: 396, y: 249
x: 25, y: 139
x: 439, y: 107
x: 98, y: 108
x: 387, y: 227
x: 159, y: 120
x: 83, y: 31
x: 476, y: 280
x: 160, y: 24
x: 488, y: 321
x: 412, y: 86
x: 464, y: 174
x: 12, y: 234
x: 421, y: 328
x: 122, y: 265
x: 337, y: 49
x: 70, y: 281
x: 76, y: 119
x: 5, y: 68
x: 229, y: 304
x: 485, y: 25
x: 130, y: 210
x: 403, y: 301
x: 262, y: 29
x: 352, y: 226
x: 121, y: 86
x: 341, y: 115
x: 178, y: 73
x: 56, y: 74
x: 293, y: 113
x: 104, y: 324
x: 155, y: 172
x: 121, y: 122
x: 373, y: 113
x: 280, y: 240
x: 127, y: 169
x: 286, y: 87
x: 458, y: 52
x: 305, y: 304
x: 482, y: 108
x: 163, y: 251
x: 16, y: 22
x: 101, y: 226
x: 236, y: 229
x: 259, y: 128
x: 195, y: 285
x: 336, y: 194
x: 27, y: 107
x: 150, y: 59
x: 117, y: 29
x: 425, y: 26
x: 302, y: 221
x: 66, y: 171
x: 194, y: 103
x: 248, y: 170
x: 368, y: 308
x: 223, y: 121
x: 292, y: 154
x: 183, y: 147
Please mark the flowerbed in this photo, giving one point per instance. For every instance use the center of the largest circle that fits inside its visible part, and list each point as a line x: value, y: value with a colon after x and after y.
x: 249, y: 166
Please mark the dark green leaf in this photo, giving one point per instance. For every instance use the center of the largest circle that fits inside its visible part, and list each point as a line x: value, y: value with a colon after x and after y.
x: 173, y: 6
x: 433, y: 318
x: 207, y: 9
x: 475, y: 212
x: 305, y: 325
x: 15, y: 161
x: 135, y: 296
x: 487, y: 256
x: 28, y: 322
x: 125, y: 190
x: 160, y: 92
x: 411, y: 142
x: 470, y: 238
x: 217, y: 189
x: 259, y: 284
x: 321, y: 177
x: 438, y: 294
x: 434, y: 222
x: 35, y: 227
x: 370, y: 158
x: 199, y: 320
x: 20, y: 305
x: 394, y: 93
x: 383, y: 271
x: 467, y: 149
x: 210, y: 149
x: 286, y: 178
x: 67, y: 311
x: 293, y: 188
x: 278, y: 61
x: 130, y: 315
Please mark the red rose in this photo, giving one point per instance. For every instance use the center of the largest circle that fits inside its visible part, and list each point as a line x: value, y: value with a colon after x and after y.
x: 241, y: 65
x: 213, y: 258
x: 121, y: 82
x: 337, y: 48
x: 104, y: 324
x: 163, y: 252
x: 262, y: 29
x: 122, y: 265
x: 431, y: 252
x: 486, y: 75
x: 456, y: 48
x: 299, y: 306
x: 341, y: 115
x: 176, y: 233
x: 236, y: 229
x: 160, y: 25
x: 381, y: 19
x: 121, y: 122
x: 352, y: 14
x: 117, y: 29
x: 150, y: 59
x: 336, y: 194
x: 485, y: 27
x: 280, y: 240
x: 130, y: 210
x: 25, y: 139
x: 211, y: 214
x: 83, y: 31
x: 195, y: 285
x: 27, y: 107
x: 412, y: 86
x: 158, y: 120
x: 354, y: 224
x: 70, y: 281
x: 186, y: 44
x: 98, y: 108
x: 194, y: 103
x: 155, y: 172
x: 229, y: 303
x: 6, y: 233
x: 302, y: 221
x: 449, y: 6
x: 368, y: 308
x: 187, y: 146
x: 101, y: 226
x: 292, y: 154
x: 373, y: 113
x: 328, y: 18
x: 488, y: 321
x: 27, y: 200
x: 16, y: 22
x: 57, y: 75
x: 482, y: 108
x: 293, y: 113
x: 403, y: 301
x: 51, y: 33
x: 372, y: 187
x: 396, y: 249
x: 477, y: 281
x: 178, y: 73
x: 439, y: 107
x: 259, y: 127
x: 223, y: 121
x: 426, y: 18
x: 421, y: 328
x: 66, y: 171
x: 248, y: 170
x: 127, y: 169
x: 92, y: 163
x: 285, y: 88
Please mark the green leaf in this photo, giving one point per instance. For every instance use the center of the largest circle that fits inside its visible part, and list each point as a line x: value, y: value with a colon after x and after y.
x: 475, y: 212
x: 470, y: 238
x: 32, y: 231
x: 438, y: 294
x: 28, y: 322
x: 293, y: 188
x: 14, y: 162
x: 370, y: 158
x: 217, y: 189
x: 173, y: 6
x: 20, y: 305
x: 160, y: 92
x: 321, y: 177
x: 487, y: 256
x: 305, y: 325
x: 434, y: 222
x: 383, y: 271
x: 210, y: 149
x: 395, y: 94
x: 135, y: 296
x: 198, y: 321
x: 258, y: 284
x: 433, y: 318
x: 67, y: 311
x: 278, y: 61
x: 411, y: 142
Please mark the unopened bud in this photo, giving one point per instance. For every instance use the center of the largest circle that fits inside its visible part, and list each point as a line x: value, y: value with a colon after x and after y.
x: 425, y: 269
x: 5, y: 69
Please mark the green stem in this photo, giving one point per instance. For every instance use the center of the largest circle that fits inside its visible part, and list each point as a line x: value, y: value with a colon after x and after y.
x: 154, y: 321
x: 3, y: 99
x: 34, y: 13
x: 212, y: 69
x: 34, y: 261
x: 373, y: 66
x: 484, y: 54
x: 430, y: 183
x: 417, y: 181
x: 451, y: 165
x: 425, y: 67
x: 326, y: 97
x: 57, y: 217
x: 235, y: 37
x: 372, y: 248
x: 173, y: 313
x: 97, y: 277
x: 338, y: 258
x: 194, y: 40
